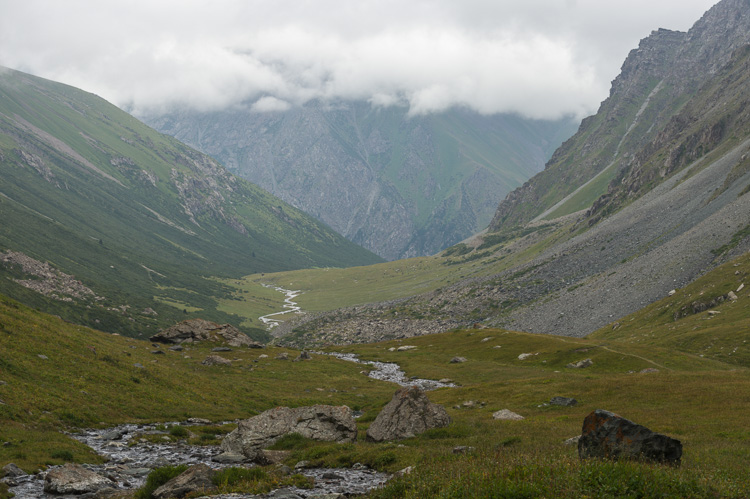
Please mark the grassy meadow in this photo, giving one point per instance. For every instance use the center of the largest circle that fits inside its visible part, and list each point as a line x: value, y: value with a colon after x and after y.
x: 89, y: 378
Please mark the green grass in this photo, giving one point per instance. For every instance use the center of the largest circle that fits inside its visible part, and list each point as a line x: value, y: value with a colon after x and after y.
x: 691, y: 398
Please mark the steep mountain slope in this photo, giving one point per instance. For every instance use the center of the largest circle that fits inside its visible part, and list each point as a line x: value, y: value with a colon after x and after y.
x: 399, y: 185
x: 677, y: 209
x: 656, y: 80
x: 106, y: 222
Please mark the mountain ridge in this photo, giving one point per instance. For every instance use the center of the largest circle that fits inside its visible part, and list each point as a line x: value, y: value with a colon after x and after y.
x: 655, y: 81
x: 400, y: 185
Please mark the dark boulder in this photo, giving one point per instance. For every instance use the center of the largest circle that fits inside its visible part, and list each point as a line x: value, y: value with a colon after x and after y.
x: 408, y: 413
x: 563, y: 401
x: 607, y: 435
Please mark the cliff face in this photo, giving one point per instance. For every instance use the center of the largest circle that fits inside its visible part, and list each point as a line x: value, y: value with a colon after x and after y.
x: 400, y: 186
x: 656, y: 80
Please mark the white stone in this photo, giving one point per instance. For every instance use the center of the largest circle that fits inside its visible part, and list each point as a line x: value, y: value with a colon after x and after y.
x: 507, y: 415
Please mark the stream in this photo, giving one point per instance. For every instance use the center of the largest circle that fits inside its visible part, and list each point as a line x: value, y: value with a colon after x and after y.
x: 289, y: 305
x: 130, y: 463
x: 390, y: 371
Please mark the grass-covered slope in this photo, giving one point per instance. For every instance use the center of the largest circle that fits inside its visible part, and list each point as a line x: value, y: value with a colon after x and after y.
x: 137, y: 217
x: 682, y: 394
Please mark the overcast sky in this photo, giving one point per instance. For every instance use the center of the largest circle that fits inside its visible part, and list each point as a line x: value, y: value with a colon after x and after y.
x: 540, y: 58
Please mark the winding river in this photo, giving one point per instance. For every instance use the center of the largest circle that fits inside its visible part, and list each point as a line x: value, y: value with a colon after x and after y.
x: 289, y: 305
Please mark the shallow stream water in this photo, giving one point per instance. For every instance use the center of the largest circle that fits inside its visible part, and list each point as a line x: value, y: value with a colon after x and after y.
x: 129, y: 465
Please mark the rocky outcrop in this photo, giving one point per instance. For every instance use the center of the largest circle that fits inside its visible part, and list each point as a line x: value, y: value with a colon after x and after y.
x: 195, y: 479
x: 202, y: 330
x: 607, y: 435
x: 409, y: 413
x: 73, y: 479
x: 48, y: 280
x: 318, y: 422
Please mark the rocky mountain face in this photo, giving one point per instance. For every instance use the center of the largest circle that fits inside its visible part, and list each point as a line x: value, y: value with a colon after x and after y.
x: 677, y: 208
x: 656, y: 80
x: 396, y: 184
x: 109, y: 223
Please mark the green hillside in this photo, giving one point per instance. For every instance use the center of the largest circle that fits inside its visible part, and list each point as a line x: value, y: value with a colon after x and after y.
x: 141, y: 220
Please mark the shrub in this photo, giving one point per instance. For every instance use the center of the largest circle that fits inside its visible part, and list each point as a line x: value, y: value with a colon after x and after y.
x: 179, y: 431
x: 63, y: 455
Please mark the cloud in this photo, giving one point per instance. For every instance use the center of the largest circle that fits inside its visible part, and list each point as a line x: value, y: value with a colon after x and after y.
x: 270, y: 104
x: 539, y: 58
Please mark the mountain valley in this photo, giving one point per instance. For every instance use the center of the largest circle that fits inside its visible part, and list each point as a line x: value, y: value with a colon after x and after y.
x: 615, y: 280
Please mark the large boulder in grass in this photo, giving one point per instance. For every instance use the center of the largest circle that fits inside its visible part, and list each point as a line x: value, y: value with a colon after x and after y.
x: 196, y: 479
x: 408, y: 413
x: 202, y: 330
x: 607, y: 435
x: 319, y: 422
x: 74, y: 479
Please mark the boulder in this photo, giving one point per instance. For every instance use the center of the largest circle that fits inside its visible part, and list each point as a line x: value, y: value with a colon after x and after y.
x: 197, y: 478
x: 507, y: 415
x: 457, y: 360
x: 203, y: 330
x: 405, y: 348
x: 581, y: 364
x: 74, y: 479
x: 216, y: 360
x: 408, y: 413
x: 607, y: 435
x: 563, y: 401
x: 12, y: 471
x: 318, y: 422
